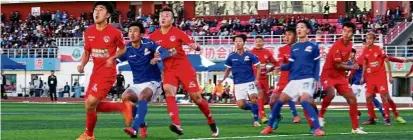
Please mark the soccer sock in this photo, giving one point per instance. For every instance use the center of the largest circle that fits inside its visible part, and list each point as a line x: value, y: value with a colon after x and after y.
x: 394, y: 108
x: 140, y: 118
x: 91, y: 118
x: 261, y: 108
x: 386, y: 111
x: 370, y: 110
x: 316, y: 109
x: 292, y: 108
x: 172, y: 109
x: 247, y: 106
x: 313, y: 115
x: 310, y: 123
x: 275, y: 112
x: 324, y: 105
x: 254, y: 110
x: 353, y: 115
x: 378, y: 106
x: 106, y: 106
x: 204, y: 107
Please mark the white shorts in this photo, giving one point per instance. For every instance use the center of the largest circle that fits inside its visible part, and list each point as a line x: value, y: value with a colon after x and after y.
x: 242, y: 91
x: 153, y: 85
x: 295, y: 88
x: 357, y: 89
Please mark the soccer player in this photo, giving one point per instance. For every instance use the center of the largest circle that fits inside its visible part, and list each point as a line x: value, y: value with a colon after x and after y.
x: 241, y: 63
x: 355, y: 78
x: 290, y: 37
x: 304, y: 68
x: 333, y: 76
x: 101, y: 42
x: 376, y: 80
x: 178, y: 69
x: 140, y: 54
x: 265, y: 57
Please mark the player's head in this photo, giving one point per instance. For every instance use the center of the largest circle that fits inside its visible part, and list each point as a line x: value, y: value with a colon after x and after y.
x: 52, y: 72
x: 135, y: 31
x: 290, y: 36
x: 259, y: 42
x: 166, y: 17
x: 102, y: 10
x: 303, y: 28
x: 353, y: 53
x: 239, y: 41
x: 370, y: 38
x: 348, y: 30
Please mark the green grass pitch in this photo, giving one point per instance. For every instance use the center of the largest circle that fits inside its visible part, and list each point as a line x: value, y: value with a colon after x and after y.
x: 23, y: 121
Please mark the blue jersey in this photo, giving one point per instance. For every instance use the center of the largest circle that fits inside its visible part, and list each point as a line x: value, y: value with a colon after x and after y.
x: 304, y: 61
x: 357, y: 75
x: 139, y: 60
x: 242, y: 66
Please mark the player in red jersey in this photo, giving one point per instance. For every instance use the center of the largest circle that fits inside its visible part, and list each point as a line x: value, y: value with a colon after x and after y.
x: 376, y: 80
x: 290, y: 38
x: 177, y: 69
x: 265, y: 56
x: 334, y: 76
x: 101, y: 42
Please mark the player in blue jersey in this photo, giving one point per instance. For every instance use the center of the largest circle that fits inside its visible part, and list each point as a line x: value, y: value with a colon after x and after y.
x: 354, y: 80
x: 241, y: 63
x: 142, y: 55
x: 304, y: 67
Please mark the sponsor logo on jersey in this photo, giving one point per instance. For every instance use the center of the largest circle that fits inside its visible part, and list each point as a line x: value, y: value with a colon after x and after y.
x: 106, y: 39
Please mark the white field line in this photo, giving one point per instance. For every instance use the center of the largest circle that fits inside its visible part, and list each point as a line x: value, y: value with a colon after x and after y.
x: 294, y: 135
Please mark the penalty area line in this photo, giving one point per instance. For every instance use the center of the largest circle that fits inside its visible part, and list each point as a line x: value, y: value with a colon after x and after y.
x: 293, y: 135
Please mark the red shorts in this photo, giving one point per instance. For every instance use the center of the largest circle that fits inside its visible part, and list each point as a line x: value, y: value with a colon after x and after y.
x: 263, y: 85
x: 279, y: 89
x: 375, y: 85
x: 187, y: 77
x: 340, y: 83
x: 99, y: 87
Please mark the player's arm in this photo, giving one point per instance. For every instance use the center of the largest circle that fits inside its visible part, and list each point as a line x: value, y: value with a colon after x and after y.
x: 394, y: 59
x: 120, y: 45
x: 386, y: 59
x: 256, y: 62
x: 189, y: 41
x: 228, y: 64
x: 410, y: 71
x: 364, y: 69
x: 123, y: 58
x: 287, y: 67
x: 85, y: 55
x: 317, y: 56
x: 274, y: 63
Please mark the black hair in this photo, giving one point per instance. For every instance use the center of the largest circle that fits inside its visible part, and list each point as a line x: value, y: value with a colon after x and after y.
x: 353, y: 50
x: 260, y: 37
x: 165, y: 9
x: 350, y: 25
x: 139, y: 25
x: 292, y: 30
x: 307, y: 24
x: 108, y: 5
x: 242, y: 36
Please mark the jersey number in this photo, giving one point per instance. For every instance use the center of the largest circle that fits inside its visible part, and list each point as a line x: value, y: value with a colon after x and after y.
x: 251, y: 86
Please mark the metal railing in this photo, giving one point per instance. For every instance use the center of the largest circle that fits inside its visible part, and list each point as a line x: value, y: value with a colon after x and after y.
x: 219, y: 40
x: 395, y: 31
x: 31, y: 53
x: 399, y: 50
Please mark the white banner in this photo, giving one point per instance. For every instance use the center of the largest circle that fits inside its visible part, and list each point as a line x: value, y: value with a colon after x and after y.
x: 36, y: 11
x: 263, y: 5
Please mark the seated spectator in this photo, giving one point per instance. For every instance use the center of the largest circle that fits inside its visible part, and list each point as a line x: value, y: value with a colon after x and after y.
x: 252, y: 20
x: 253, y: 33
x: 277, y: 31
x: 281, y: 21
x: 313, y: 21
x: 224, y: 33
x: 265, y: 32
x: 410, y: 42
x: 66, y: 89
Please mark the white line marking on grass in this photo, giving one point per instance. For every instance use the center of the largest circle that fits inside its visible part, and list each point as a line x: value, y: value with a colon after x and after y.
x: 294, y: 135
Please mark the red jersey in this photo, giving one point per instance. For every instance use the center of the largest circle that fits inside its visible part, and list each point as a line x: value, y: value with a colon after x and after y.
x: 374, y: 58
x: 338, y: 53
x: 173, y: 40
x: 264, y: 56
x: 283, y: 55
x: 101, y: 45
